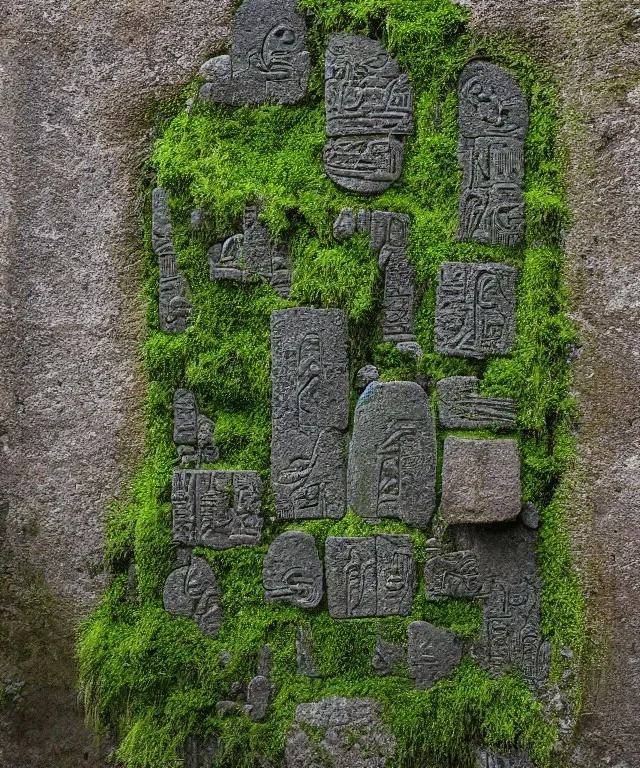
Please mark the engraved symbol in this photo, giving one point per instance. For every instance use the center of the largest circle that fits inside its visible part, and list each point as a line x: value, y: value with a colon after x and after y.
x: 355, y: 577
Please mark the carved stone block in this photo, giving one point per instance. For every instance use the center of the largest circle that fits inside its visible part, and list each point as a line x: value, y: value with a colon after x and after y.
x: 216, y: 509
x: 480, y: 480
x: 200, y: 754
x: 192, y: 590
x: 475, y: 310
x: 369, y: 111
x: 305, y: 663
x: 492, y: 760
x: 310, y: 412
x: 460, y: 406
x: 493, y: 119
x: 175, y: 308
x: 433, y: 653
x: 252, y: 256
x: 192, y: 431
x: 292, y: 570
x: 392, y: 456
x: 369, y: 576
x: 456, y: 574
x: 350, y: 734
x: 268, y: 61
x: 388, y: 658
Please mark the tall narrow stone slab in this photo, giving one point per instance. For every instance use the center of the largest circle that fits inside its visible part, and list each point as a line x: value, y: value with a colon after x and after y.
x: 268, y: 61
x: 369, y: 576
x: 192, y: 431
x: 292, y: 570
x: 475, y: 310
x: 310, y: 412
x: 392, y: 456
x: 433, y: 653
x: 369, y: 111
x: 216, y: 509
x: 175, y: 309
x: 460, y: 406
x: 493, y: 120
x: 192, y: 590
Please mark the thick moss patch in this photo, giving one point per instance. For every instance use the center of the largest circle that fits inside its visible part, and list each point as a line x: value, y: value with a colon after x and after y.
x: 153, y: 678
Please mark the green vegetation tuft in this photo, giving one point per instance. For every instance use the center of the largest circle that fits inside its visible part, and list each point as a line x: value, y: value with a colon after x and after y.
x: 153, y: 679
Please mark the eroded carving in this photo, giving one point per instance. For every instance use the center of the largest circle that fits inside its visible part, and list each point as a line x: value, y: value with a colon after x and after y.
x: 369, y: 111
x: 252, y: 256
x: 392, y: 456
x: 492, y: 760
x: 460, y: 406
x: 192, y: 590
x: 369, y: 576
x: 350, y: 734
x: 475, y: 310
x: 217, y: 509
x: 292, y: 570
x: 480, y: 480
x: 305, y: 663
x: 456, y: 574
x: 310, y: 412
x: 268, y: 61
x: 192, y: 431
x: 493, y: 119
x: 175, y: 309
x: 388, y: 658
x: 432, y: 654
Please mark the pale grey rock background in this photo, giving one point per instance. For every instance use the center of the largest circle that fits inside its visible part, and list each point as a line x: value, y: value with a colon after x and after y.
x: 75, y: 80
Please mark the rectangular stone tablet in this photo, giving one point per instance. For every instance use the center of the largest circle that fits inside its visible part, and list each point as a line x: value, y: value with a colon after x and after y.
x: 460, y: 406
x: 310, y: 412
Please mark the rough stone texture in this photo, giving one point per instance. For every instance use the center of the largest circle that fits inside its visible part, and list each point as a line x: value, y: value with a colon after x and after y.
x: 460, y: 406
x: 456, y: 574
x: 366, y: 132
x: 305, y: 663
x: 76, y: 80
x: 192, y: 590
x: 268, y: 61
x: 192, y: 431
x: 369, y: 576
x: 392, y: 455
x: 480, y: 480
x: 353, y: 735
x: 433, y: 653
x: 258, y: 697
x: 310, y: 412
x: 493, y: 121
x: 365, y: 376
x: 199, y: 754
x: 216, y: 509
x: 292, y: 570
x: 475, y: 310
x: 492, y: 760
x: 388, y: 658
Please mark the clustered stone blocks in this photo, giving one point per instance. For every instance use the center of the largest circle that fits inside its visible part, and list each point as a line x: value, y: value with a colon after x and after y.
x: 392, y: 456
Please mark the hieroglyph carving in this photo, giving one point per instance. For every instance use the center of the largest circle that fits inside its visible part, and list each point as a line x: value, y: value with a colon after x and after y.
x: 475, y: 310
x: 392, y: 455
x: 192, y: 431
x: 370, y: 576
x: 175, y: 309
x: 369, y: 111
x: 268, y: 61
x: 493, y: 119
x: 292, y: 570
x: 432, y: 654
x: 192, y: 590
x: 251, y: 256
x: 310, y: 412
x: 460, y: 406
x: 217, y: 509
x: 455, y: 574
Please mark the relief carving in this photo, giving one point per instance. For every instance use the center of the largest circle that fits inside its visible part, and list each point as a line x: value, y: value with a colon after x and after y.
x: 192, y: 590
x: 460, y: 406
x: 192, y: 431
x: 292, y: 570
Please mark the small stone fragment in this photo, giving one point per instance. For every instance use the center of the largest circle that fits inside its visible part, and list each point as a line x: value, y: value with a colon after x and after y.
x: 192, y: 590
x: 480, y: 481
x: 198, y: 218
x: 365, y: 376
x: 410, y: 348
x: 224, y: 707
x: 224, y: 658
x: 192, y: 431
x: 433, y: 653
x: 305, y: 664
x: 200, y: 754
x: 530, y: 516
x: 492, y: 760
x: 292, y: 570
x: 392, y: 455
x: 268, y: 62
x: 460, y: 406
x: 258, y: 697
x: 387, y: 658
x: 345, y: 224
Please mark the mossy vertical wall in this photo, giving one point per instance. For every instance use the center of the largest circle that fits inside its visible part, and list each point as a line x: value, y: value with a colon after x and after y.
x: 153, y: 678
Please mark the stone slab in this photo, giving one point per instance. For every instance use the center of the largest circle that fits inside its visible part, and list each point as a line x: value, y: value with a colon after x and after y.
x: 493, y: 120
x: 393, y: 455
x: 475, y: 310
x: 460, y: 406
x: 268, y: 61
x: 455, y: 574
x: 480, y: 480
x: 192, y: 590
x: 310, y: 412
x: 292, y: 570
x: 193, y: 432
x: 259, y: 693
x: 305, y: 663
x: 369, y: 576
x: 388, y: 658
x: 433, y: 653
x: 369, y: 111
x: 217, y: 509
x: 350, y: 734
x: 200, y: 754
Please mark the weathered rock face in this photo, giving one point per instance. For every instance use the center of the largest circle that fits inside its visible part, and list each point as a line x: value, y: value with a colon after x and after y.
x: 75, y: 83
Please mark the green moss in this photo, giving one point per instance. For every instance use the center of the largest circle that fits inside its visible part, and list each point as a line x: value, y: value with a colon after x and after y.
x: 153, y: 678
